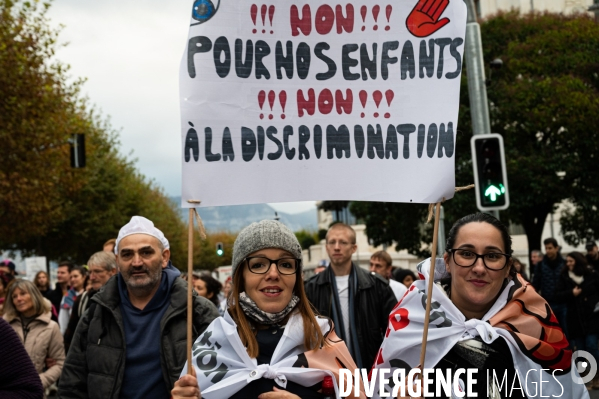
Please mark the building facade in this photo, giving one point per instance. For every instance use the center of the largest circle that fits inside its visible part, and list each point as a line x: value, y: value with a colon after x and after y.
x: 486, y: 8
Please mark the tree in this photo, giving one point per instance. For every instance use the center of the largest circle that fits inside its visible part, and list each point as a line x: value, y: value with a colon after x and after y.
x: 395, y: 223
x: 46, y: 207
x: 545, y: 103
x: 204, y: 254
x: 38, y: 111
x: 307, y: 238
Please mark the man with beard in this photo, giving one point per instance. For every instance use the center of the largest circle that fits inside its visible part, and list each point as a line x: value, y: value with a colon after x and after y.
x: 131, y: 342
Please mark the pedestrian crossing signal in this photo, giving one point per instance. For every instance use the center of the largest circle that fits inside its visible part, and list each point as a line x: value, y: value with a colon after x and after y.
x: 490, y: 176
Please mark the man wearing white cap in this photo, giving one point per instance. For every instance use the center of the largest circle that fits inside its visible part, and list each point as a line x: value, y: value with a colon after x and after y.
x: 131, y: 343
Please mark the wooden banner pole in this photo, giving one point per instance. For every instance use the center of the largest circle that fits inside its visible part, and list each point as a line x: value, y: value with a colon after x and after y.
x: 192, y: 211
x: 429, y: 296
x: 190, y: 369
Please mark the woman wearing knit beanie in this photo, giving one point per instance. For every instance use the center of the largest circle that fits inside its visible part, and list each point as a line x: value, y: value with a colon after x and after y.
x: 269, y: 344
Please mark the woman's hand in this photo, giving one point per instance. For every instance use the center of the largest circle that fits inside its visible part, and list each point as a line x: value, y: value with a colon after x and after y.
x: 50, y: 362
x: 186, y: 387
x: 278, y: 394
x: 576, y: 291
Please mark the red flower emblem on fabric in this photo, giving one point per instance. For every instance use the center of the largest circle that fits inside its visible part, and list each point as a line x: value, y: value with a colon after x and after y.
x: 399, y: 319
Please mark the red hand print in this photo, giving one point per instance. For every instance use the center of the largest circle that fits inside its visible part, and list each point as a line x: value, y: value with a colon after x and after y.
x: 424, y: 19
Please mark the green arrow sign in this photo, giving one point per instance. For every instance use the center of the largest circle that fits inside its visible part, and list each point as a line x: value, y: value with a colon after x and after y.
x: 493, y: 192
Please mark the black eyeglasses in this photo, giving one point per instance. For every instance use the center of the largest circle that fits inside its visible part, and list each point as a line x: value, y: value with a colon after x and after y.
x: 261, y: 264
x: 493, y: 260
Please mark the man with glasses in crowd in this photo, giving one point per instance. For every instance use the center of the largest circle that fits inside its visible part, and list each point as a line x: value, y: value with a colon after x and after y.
x: 131, y: 343
x: 101, y: 266
x: 357, y: 301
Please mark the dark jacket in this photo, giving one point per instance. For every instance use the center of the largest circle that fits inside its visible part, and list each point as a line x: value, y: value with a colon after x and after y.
x: 55, y: 296
x: 594, y: 263
x: 79, y: 307
x: 95, y: 364
x: 546, y: 277
x: 582, y: 320
x: 373, y: 303
x: 18, y: 377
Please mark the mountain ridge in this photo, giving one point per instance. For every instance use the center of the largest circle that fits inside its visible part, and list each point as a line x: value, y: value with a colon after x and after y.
x: 235, y: 217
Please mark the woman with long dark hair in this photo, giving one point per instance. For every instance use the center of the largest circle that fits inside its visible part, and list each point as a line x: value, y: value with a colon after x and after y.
x: 578, y: 287
x: 404, y: 276
x: 484, y: 317
x: 208, y: 287
x: 269, y: 340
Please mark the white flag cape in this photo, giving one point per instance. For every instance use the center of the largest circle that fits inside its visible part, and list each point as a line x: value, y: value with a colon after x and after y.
x: 223, y: 366
x: 520, y: 316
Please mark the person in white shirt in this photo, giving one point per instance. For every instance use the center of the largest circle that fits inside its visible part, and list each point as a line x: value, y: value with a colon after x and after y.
x: 358, y: 302
x: 380, y: 263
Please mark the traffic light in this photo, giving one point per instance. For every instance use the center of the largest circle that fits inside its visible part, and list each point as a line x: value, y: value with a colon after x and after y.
x: 219, y: 249
x: 490, y: 177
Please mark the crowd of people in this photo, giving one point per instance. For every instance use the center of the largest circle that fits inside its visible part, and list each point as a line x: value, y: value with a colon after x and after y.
x: 571, y: 287
x: 116, y: 327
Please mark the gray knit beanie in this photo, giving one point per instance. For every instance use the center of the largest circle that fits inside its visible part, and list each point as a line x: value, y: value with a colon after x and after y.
x: 264, y: 234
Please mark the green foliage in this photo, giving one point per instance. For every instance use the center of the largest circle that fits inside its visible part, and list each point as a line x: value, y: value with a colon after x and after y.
x: 399, y: 223
x: 333, y: 206
x: 46, y: 207
x: 38, y: 111
x: 322, y: 234
x: 307, y: 238
x: 204, y: 253
x: 545, y: 103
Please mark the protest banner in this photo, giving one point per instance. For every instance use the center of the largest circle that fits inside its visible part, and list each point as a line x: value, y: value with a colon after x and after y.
x: 34, y: 265
x: 292, y: 101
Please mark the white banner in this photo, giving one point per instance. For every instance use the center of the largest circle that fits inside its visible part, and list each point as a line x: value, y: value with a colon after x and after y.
x: 292, y: 101
x: 34, y: 265
x: 543, y: 363
x: 223, y: 366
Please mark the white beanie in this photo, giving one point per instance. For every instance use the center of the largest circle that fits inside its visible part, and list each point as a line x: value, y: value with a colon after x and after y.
x: 140, y: 225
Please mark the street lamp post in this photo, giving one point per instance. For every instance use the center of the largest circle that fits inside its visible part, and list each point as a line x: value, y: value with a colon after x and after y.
x: 475, y: 67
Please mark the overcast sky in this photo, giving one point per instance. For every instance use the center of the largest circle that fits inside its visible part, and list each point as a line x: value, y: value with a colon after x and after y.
x: 130, y: 51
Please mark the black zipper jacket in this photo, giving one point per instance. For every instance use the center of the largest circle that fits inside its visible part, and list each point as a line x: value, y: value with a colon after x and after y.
x: 95, y: 364
x: 373, y: 303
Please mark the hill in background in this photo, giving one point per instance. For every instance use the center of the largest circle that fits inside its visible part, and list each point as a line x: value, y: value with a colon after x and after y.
x: 234, y: 218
